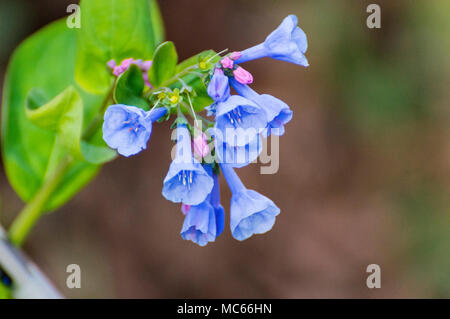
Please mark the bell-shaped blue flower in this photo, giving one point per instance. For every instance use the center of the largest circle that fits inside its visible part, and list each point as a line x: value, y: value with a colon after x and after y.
x: 278, y: 113
x: 219, y: 88
x: 287, y: 43
x: 128, y: 128
x: 236, y: 156
x: 239, y: 120
x: 218, y: 209
x: 251, y: 213
x: 205, y: 222
x: 200, y: 224
x: 187, y: 181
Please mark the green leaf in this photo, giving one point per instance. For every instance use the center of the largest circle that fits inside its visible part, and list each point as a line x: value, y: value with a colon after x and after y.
x: 114, y: 29
x: 129, y: 87
x: 5, y: 292
x: 45, y: 60
x: 164, y: 64
x: 96, y: 154
x: 63, y: 115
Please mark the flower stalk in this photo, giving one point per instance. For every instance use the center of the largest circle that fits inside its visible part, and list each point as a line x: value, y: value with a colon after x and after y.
x: 30, y: 214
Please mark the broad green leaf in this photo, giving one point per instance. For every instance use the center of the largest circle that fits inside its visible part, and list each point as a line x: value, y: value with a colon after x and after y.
x: 45, y: 60
x: 129, y: 87
x: 96, y: 154
x: 62, y: 115
x: 164, y: 64
x: 114, y: 29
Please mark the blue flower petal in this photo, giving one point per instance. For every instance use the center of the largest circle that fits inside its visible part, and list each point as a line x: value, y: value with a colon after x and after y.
x: 219, y: 88
x: 186, y: 181
x: 200, y: 224
x: 251, y: 213
x: 126, y: 128
x: 238, y: 156
x: 286, y: 43
x: 239, y: 120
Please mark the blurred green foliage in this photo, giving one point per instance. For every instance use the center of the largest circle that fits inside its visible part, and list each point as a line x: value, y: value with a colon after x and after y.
x: 60, y: 55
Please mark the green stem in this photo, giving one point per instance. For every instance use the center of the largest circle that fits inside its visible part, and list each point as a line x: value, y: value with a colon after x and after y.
x: 33, y: 210
x: 172, y: 80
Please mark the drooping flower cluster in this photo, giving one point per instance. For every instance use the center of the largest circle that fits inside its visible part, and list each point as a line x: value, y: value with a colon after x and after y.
x: 232, y: 140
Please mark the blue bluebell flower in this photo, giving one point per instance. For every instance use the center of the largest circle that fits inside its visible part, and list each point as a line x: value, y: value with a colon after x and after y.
x: 287, y: 43
x: 205, y: 222
x: 250, y: 212
x: 219, y: 88
x: 200, y: 224
x: 239, y: 120
x: 187, y: 181
x: 236, y: 156
x: 278, y: 113
x: 128, y: 128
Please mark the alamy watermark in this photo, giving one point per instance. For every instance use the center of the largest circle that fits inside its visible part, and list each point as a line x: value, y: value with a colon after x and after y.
x: 374, y: 19
x: 234, y: 146
x: 374, y: 279
x: 73, y: 21
x: 74, y: 279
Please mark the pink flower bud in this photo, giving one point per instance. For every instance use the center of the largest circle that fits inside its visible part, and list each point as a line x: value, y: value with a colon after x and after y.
x: 235, y: 55
x: 124, y: 65
x: 200, y: 143
x: 146, y: 65
x: 227, y: 63
x: 111, y: 63
x: 243, y: 76
x: 185, y: 209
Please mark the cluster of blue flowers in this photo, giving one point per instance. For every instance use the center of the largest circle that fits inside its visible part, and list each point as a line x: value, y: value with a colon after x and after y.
x: 240, y: 121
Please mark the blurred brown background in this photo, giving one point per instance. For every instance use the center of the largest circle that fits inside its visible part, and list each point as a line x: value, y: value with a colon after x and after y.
x: 364, y: 165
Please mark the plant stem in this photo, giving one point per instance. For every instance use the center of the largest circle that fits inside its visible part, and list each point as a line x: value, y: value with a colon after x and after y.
x: 173, y: 79
x: 33, y: 210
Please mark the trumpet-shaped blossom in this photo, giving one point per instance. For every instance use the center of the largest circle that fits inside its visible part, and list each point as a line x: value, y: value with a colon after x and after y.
x: 187, y: 181
x: 278, y: 113
x: 219, y: 88
x: 200, y: 224
x: 250, y: 213
x: 239, y: 120
x: 287, y: 43
x: 204, y: 222
x: 128, y: 128
x: 243, y: 76
x: 236, y: 156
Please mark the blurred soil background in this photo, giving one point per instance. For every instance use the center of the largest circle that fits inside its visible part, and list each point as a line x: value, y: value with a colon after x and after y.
x: 364, y: 171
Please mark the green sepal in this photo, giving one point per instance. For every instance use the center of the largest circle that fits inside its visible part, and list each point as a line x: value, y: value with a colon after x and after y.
x: 129, y: 87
